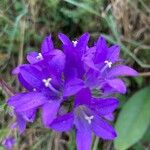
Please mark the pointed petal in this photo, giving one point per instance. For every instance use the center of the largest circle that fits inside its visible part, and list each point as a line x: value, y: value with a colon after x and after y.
x: 102, y: 129
x: 17, y: 69
x: 83, y: 97
x: 49, y: 112
x: 83, y: 140
x: 32, y: 76
x: 29, y: 115
x: 89, y: 62
x: 32, y: 57
x: 27, y: 101
x: 47, y: 46
x: 73, y: 86
x: 104, y: 106
x: 82, y: 44
x: 21, y: 124
x: 118, y: 85
x: 113, y: 53
x: 101, y: 50
x: 15, y: 100
x: 24, y: 83
x: 121, y: 70
x: 63, y: 123
x: 92, y: 79
x: 57, y: 63
x: 64, y: 39
x: 109, y: 117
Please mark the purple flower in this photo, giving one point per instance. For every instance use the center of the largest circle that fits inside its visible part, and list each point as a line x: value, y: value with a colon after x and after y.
x: 46, y: 91
x: 74, y: 51
x: 88, y: 116
x: 102, y: 68
x: 89, y: 74
x: 8, y: 143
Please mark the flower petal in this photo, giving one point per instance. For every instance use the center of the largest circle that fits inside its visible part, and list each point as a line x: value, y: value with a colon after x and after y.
x: 118, y: 85
x: 73, y: 86
x: 102, y: 129
x: 29, y: 115
x: 104, y: 106
x: 24, y: 83
x: 101, y: 50
x: 49, y: 112
x: 113, y: 53
x: 32, y: 57
x: 83, y: 140
x: 32, y: 76
x: 63, y: 123
x: 121, y: 70
x: 83, y: 97
x: 47, y: 46
x: 27, y: 101
x: 64, y: 39
x: 109, y: 117
x: 82, y: 44
x: 57, y: 62
x: 89, y: 62
x: 21, y: 123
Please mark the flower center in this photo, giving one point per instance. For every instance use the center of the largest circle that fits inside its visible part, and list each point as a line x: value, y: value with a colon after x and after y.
x: 47, y: 82
x: 39, y: 56
x: 74, y: 43
x: 89, y: 118
x: 49, y: 85
x: 34, y: 89
x: 108, y: 63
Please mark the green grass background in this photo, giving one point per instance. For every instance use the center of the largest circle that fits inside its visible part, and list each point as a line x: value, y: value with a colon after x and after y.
x: 24, y: 23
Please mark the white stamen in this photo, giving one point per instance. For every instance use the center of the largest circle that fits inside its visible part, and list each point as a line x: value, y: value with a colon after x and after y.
x: 34, y: 89
x: 109, y: 63
x: 39, y: 56
x: 89, y: 118
x: 47, y: 82
x: 74, y: 43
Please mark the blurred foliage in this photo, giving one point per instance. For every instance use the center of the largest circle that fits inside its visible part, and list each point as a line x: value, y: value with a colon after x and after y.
x: 24, y: 23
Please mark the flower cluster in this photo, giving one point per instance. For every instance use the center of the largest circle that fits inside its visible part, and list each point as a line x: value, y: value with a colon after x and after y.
x: 72, y: 87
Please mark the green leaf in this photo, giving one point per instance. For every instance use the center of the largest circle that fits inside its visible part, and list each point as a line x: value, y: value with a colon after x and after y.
x: 133, y: 119
x: 1, y: 148
x: 3, y: 132
x: 83, y: 6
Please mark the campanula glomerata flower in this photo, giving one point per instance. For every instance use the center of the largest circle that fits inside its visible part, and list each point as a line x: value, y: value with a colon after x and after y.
x: 8, y: 143
x: 85, y: 77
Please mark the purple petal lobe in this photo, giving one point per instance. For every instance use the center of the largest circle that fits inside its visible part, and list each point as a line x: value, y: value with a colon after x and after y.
x: 121, y: 71
x: 82, y: 44
x: 8, y: 143
x: 21, y: 124
x: 83, y: 97
x: 27, y: 101
x: 118, y: 85
x: 49, y: 112
x: 47, y: 45
x: 57, y: 63
x: 101, y: 50
x: 32, y: 76
x: 113, y: 53
x: 102, y: 129
x: 109, y: 117
x: 104, y: 106
x: 32, y: 57
x: 83, y: 140
x: 73, y: 86
x: 29, y: 115
x: 63, y: 123
x: 64, y: 39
